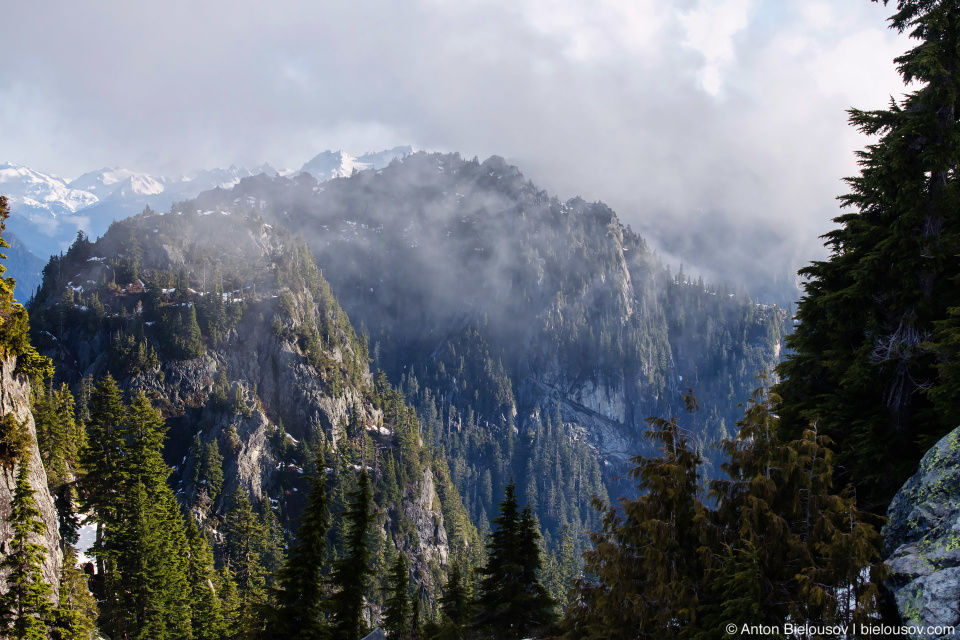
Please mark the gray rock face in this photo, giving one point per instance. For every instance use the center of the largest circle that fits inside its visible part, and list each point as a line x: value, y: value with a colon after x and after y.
x: 923, y: 541
x: 15, y: 398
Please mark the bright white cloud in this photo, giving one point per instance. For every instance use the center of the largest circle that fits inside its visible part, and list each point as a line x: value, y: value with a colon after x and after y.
x: 710, y: 29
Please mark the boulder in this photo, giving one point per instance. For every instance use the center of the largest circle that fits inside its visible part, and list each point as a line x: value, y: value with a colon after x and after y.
x: 922, y: 540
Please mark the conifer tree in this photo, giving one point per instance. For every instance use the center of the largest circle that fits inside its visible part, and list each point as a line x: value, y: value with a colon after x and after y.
x: 644, y: 574
x: 512, y: 601
x: 875, y: 330
x: 242, y: 533
x: 75, y: 618
x: 147, y: 590
x: 396, y: 617
x: 206, y: 615
x: 25, y: 609
x: 102, y: 459
x: 300, y: 596
x: 456, y: 606
x: 351, y: 574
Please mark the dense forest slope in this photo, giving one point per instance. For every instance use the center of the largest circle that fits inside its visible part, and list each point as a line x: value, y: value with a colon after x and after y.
x: 227, y: 325
x: 510, y: 317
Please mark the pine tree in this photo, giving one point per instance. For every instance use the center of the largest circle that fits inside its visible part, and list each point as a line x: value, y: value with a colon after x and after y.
x: 456, y: 606
x: 25, y: 609
x: 75, y: 618
x: 300, y: 596
x: 512, y: 601
x: 102, y: 459
x: 396, y: 617
x: 206, y: 615
x: 242, y: 533
x: 645, y: 575
x: 875, y: 331
x: 351, y: 574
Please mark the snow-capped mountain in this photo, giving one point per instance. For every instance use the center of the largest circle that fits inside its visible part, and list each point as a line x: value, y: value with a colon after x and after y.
x: 48, y: 211
x: 102, y: 182
x: 43, y: 207
x: 31, y: 189
x: 339, y: 164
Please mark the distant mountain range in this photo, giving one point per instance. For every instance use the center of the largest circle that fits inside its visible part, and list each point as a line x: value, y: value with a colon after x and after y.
x: 47, y: 211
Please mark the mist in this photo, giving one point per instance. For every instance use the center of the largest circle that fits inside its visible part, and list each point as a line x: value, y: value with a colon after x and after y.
x: 715, y: 128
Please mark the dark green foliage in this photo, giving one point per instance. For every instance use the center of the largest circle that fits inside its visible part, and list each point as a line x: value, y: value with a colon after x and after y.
x: 351, y: 574
x: 182, y: 334
x: 131, y: 354
x: 780, y: 544
x: 25, y: 609
x: 141, y: 547
x: 300, y: 596
x: 14, y: 322
x: 456, y: 605
x: 646, y: 570
x: 209, y: 468
x: 511, y: 600
x: 242, y: 559
x: 75, y: 618
x: 206, y: 614
x: 397, y: 615
x: 874, y: 357
x: 59, y: 437
x: 14, y: 440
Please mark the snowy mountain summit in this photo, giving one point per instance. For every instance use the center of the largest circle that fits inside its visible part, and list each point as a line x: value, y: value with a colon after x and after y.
x: 48, y: 211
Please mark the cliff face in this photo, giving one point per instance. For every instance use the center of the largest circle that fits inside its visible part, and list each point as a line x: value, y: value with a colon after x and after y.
x: 225, y: 322
x: 922, y: 540
x: 15, y: 399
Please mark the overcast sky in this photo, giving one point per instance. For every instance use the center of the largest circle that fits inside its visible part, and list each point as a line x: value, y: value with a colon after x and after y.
x: 722, y: 115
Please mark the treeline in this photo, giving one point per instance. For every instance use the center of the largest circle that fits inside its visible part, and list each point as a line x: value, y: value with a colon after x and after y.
x: 160, y: 573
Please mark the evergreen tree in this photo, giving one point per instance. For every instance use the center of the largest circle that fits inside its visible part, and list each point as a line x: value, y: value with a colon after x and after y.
x: 875, y: 331
x: 396, y: 617
x: 102, y: 459
x: 75, y: 618
x: 645, y: 574
x: 300, y: 596
x: 351, y: 574
x: 25, y: 609
x: 206, y: 615
x: 242, y: 535
x: 456, y: 606
x: 512, y: 601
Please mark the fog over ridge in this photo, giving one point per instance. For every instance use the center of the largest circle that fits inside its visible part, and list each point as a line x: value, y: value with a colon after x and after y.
x: 716, y: 128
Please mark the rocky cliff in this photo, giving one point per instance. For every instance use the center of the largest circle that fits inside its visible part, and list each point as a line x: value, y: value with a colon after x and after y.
x: 922, y: 541
x: 15, y: 399
x: 227, y: 324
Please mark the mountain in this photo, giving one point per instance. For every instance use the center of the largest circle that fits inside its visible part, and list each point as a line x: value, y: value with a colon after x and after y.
x: 23, y: 266
x: 339, y: 164
x: 536, y: 335
x: 43, y: 207
x: 48, y: 211
x: 104, y: 181
x: 227, y: 325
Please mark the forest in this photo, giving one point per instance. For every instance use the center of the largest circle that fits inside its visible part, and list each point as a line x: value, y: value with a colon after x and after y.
x: 532, y: 429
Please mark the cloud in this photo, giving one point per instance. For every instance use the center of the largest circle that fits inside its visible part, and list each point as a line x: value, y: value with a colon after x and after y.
x: 681, y: 115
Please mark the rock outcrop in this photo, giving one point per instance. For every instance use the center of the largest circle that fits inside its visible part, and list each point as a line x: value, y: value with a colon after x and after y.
x: 15, y: 399
x: 923, y: 541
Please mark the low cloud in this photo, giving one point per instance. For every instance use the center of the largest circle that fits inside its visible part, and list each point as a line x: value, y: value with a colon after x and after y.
x: 678, y: 116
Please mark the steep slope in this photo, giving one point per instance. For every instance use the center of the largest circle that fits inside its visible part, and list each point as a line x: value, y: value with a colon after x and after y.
x: 515, y: 321
x: 15, y: 400
x: 226, y: 323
